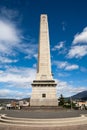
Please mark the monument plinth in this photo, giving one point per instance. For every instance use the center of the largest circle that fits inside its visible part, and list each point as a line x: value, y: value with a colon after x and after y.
x: 44, y: 87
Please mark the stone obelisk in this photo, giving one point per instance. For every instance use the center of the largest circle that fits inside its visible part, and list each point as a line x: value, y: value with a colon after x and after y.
x: 44, y: 87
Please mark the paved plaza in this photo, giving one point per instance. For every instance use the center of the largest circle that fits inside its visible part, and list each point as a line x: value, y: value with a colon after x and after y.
x: 81, y: 127
x: 43, y: 114
x: 43, y: 120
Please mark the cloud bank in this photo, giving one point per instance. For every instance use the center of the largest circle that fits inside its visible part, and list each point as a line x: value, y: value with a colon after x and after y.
x: 81, y: 37
x: 79, y: 45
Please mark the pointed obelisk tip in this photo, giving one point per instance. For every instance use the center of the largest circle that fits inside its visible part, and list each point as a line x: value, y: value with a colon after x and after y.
x: 43, y: 17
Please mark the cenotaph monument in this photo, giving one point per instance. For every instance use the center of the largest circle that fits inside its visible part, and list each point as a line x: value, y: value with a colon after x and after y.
x: 44, y: 86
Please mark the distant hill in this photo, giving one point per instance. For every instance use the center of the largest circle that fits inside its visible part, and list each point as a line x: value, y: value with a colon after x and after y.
x: 81, y: 96
x: 6, y: 101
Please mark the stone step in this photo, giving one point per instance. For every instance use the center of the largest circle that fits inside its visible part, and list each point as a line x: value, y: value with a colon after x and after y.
x: 42, y: 122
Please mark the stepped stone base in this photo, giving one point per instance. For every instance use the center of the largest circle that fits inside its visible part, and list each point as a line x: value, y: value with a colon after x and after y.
x: 44, y: 93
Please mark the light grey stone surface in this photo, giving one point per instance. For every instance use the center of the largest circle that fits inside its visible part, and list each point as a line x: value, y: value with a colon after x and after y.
x: 44, y: 87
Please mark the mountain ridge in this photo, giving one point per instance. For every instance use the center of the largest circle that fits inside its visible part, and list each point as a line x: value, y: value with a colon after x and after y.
x: 80, y: 96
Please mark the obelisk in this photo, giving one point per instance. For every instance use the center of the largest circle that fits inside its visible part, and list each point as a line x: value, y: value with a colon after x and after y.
x: 44, y: 87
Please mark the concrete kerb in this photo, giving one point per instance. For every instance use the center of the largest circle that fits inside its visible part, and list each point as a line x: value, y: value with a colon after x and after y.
x: 43, y: 122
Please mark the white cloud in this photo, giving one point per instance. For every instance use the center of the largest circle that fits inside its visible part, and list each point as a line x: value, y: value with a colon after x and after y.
x: 12, y: 41
x: 4, y: 92
x: 1, y: 71
x: 7, y: 60
x: 59, y: 46
x: 8, y: 33
x: 9, y: 38
x: 71, y: 67
x: 13, y: 94
x: 65, y: 65
x: 36, y: 55
x: 18, y: 75
x: 62, y: 64
x: 80, y: 50
x: 16, y: 82
x: 81, y: 37
x: 77, y: 51
x: 68, y: 89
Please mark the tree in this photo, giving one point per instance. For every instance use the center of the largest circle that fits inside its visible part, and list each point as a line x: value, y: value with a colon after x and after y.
x: 61, y: 100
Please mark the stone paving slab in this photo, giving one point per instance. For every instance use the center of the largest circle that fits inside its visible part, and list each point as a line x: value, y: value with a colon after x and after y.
x: 43, y: 114
x: 78, y: 127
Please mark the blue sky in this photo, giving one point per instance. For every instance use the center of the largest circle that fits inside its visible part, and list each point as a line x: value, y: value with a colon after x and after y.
x: 19, y: 34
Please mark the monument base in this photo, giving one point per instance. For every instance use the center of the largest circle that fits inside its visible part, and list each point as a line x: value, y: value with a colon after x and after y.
x: 43, y: 102
x: 44, y: 93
